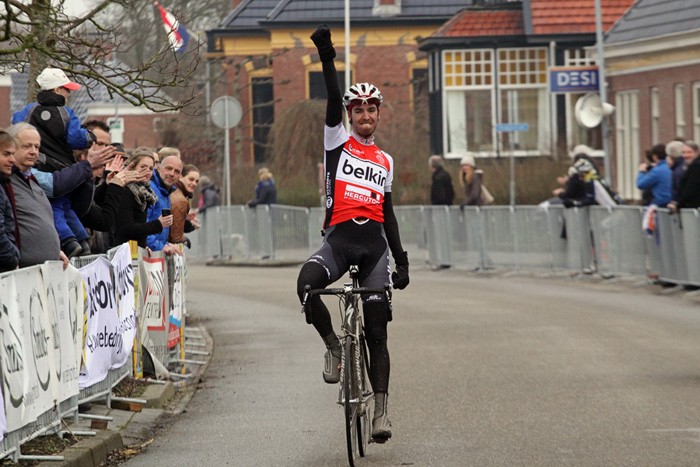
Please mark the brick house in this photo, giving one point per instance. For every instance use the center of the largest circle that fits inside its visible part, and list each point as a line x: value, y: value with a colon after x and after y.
x: 653, y: 71
x: 264, y: 57
x: 489, y: 65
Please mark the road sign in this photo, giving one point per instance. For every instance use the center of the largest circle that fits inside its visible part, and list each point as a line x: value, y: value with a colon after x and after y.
x: 573, y: 78
x: 226, y: 112
x: 509, y: 127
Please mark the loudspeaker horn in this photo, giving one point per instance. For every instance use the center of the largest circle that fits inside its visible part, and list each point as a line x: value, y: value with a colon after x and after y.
x: 590, y: 111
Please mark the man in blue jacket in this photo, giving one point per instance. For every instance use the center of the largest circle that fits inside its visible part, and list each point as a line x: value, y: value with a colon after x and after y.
x: 658, y: 178
x: 163, y: 182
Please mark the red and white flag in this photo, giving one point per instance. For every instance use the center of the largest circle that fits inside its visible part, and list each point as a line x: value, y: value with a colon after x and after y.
x: 177, y: 34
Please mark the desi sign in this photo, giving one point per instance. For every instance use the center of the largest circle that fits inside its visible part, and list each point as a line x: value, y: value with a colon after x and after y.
x: 573, y: 79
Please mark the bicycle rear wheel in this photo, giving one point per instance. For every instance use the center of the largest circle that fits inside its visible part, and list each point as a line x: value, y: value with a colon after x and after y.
x: 364, y: 419
x: 351, y: 398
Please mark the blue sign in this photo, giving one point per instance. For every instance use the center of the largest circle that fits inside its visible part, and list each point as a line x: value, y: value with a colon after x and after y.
x: 573, y: 79
x: 508, y: 127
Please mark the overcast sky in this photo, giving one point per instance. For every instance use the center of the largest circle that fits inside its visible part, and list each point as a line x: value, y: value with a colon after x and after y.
x: 76, y: 7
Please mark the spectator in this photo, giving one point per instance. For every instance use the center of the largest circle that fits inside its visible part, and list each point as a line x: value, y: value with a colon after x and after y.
x: 689, y: 189
x: 674, y: 159
x: 132, y: 221
x: 61, y: 133
x: 9, y: 253
x: 646, y: 193
x: 166, y: 152
x: 180, y: 205
x: 163, y: 181
x: 657, y: 178
x: 441, y: 189
x: 107, y: 193
x: 103, y: 213
x: 209, y: 196
x: 36, y: 234
x: 265, y: 190
x: 471, y: 179
x: 579, y: 190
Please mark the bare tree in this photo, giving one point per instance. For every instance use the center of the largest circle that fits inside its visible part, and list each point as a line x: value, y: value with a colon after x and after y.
x: 91, y: 48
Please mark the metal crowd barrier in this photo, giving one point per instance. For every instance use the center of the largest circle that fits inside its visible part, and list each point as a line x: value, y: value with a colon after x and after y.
x: 51, y: 421
x: 606, y: 240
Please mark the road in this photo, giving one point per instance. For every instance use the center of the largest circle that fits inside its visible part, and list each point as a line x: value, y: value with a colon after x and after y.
x: 486, y: 370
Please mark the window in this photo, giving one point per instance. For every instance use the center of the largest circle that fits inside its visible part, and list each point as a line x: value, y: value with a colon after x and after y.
x: 317, y: 88
x: 627, y: 142
x: 419, y: 80
x: 696, y: 111
x: 263, y: 116
x: 654, y: 110
x: 679, y: 99
x: 485, y: 87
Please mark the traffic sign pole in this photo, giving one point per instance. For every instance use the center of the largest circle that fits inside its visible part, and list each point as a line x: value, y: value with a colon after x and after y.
x: 227, y: 154
x: 226, y: 112
x: 511, y: 128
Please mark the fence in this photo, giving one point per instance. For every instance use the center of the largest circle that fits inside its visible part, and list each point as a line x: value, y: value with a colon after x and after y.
x: 608, y: 240
x: 69, y: 337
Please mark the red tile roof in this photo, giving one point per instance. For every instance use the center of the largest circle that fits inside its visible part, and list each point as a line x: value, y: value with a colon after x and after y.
x: 479, y: 23
x: 549, y: 17
x: 574, y: 16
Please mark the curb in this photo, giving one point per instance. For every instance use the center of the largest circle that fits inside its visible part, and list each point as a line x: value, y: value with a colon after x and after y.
x: 92, y: 451
x: 265, y: 263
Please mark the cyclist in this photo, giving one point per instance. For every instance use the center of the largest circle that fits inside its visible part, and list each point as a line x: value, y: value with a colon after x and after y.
x: 358, y: 226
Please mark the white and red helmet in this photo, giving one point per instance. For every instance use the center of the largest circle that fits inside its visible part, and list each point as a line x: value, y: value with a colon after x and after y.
x: 362, y: 93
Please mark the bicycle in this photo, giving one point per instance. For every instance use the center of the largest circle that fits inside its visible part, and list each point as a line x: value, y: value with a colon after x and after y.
x: 355, y: 393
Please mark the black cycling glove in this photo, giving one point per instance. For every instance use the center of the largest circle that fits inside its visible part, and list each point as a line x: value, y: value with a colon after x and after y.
x: 321, y: 38
x: 400, y: 277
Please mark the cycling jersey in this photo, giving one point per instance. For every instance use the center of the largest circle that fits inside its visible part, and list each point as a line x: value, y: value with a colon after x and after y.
x: 358, y: 174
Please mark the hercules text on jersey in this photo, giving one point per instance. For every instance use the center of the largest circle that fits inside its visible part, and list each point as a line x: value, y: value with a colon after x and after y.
x: 357, y: 174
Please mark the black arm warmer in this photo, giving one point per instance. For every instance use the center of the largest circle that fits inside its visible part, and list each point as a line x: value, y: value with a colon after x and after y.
x: 391, y: 229
x: 334, y: 106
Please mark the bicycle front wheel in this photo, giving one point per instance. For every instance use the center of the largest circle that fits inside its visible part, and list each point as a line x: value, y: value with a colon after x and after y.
x: 351, y: 398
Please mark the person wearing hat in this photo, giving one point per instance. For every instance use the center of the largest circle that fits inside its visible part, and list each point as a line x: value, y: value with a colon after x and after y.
x: 579, y: 190
x: 61, y: 133
x: 471, y: 180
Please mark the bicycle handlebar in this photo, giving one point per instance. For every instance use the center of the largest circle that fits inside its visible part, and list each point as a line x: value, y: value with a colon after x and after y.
x: 337, y: 291
x: 343, y: 290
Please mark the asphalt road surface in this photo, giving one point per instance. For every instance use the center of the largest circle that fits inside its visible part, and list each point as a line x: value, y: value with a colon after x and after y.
x: 486, y: 370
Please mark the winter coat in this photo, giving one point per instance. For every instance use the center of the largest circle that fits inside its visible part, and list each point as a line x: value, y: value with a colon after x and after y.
x: 157, y: 241
x: 9, y: 253
x: 441, y: 189
x: 59, y: 128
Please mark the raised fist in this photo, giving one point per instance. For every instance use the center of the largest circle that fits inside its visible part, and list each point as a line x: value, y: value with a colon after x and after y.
x: 321, y: 38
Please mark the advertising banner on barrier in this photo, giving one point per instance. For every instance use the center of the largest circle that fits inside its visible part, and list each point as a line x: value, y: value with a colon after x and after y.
x: 176, y: 302
x: 154, y: 313
x: 27, y: 350
x: 103, y: 343
x: 64, y: 305
x: 3, y: 422
x: 124, y: 279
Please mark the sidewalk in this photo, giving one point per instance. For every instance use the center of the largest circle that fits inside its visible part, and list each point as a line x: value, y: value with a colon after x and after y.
x: 131, y: 431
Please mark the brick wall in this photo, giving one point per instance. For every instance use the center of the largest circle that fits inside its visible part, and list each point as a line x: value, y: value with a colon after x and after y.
x: 665, y: 80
